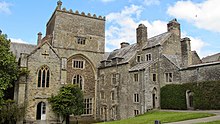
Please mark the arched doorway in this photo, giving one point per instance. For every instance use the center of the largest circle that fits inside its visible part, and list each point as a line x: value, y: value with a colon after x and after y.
x: 189, y: 99
x: 41, y: 111
x: 154, y: 97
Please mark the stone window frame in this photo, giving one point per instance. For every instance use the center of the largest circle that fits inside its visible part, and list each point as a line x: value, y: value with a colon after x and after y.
x: 138, y: 58
x: 115, y: 78
x: 78, y: 64
x: 88, y: 106
x: 113, y: 112
x: 103, y: 111
x: 102, y: 94
x: 43, y: 77
x: 168, y: 76
x: 136, y: 112
x: 136, y: 77
x: 148, y: 57
x: 102, y: 79
x: 136, y: 98
x: 79, y: 79
x: 154, y: 77
x: 113, y: 95
x: 64, y: 63
x: 81, y: 40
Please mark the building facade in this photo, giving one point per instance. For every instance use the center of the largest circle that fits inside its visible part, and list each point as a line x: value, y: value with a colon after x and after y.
x: 116, y: 85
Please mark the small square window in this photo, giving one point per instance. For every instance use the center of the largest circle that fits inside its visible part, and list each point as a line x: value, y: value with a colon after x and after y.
x: 81, y: 40
x: 136, y: 112
x: 169, y: 77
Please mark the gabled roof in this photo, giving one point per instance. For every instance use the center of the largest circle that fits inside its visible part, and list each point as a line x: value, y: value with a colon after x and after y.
x: 44, y: 41
x: 125, y: 53
x: 176, y: 60
x: 157, y: 40
x: 211, y: 58
x: 129, y: 51
x: 18, y: 48
x: 141, y: 66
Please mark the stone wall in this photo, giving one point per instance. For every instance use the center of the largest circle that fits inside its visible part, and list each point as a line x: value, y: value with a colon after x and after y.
x: 201, y: 72
x: 35, y: 94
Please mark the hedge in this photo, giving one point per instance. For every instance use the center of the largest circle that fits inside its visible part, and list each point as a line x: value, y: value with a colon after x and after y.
x: 206, y: 95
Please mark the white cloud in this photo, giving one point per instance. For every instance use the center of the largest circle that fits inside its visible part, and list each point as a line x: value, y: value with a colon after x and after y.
x: 197, y: 44
x: 124, y: 24
x: 18, y: 40
x: 151, y: 2
x: 204, y: 15
x: 5, y: 7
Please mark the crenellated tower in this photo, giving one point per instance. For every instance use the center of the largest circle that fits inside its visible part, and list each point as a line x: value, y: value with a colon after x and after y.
x: 75, y: 30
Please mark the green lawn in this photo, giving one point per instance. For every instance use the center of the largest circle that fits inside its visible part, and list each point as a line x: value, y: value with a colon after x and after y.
x: 212, y: 122
x: 163, y: 116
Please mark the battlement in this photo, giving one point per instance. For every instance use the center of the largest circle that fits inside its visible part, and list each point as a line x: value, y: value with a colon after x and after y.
x: 70, y: 11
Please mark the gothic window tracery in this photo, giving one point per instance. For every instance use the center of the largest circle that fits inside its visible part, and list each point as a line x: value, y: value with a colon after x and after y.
x: 78, y: 80
x: 43, y: 77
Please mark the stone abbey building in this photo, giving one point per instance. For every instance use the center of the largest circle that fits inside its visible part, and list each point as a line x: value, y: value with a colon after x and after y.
x: 116, y: 85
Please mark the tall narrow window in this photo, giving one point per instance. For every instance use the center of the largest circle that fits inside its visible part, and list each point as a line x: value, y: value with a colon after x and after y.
x: 148, y: 57
x: 136, y: 98
x: 169, y: 77
x: 88, y: 106
x: 113, y: 78
x: 43, y: 77
x: 154, y: 77
x: 136, y: 77
x: 138, y: 59
x: 112, y: 95
x: 78, y: 80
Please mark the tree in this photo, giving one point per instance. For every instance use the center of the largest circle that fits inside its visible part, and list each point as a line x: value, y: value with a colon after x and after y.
x: 9, y: 70
x: 69, y: 100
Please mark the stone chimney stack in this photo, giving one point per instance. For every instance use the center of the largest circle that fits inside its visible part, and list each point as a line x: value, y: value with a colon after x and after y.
x: 59, y: 4
x: 124, y: 44
x: 174, y: 27
x: 186, y: 52
x: 141, y: 34
x: 39, y: 38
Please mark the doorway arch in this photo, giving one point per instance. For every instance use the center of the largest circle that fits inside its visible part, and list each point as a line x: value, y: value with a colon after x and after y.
x: 154, y: 97
x: 41, y: 111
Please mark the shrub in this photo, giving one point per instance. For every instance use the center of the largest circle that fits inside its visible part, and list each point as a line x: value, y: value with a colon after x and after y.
x: 206, y: 95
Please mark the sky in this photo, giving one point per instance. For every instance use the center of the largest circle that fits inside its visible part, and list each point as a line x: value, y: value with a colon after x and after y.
x: 21, y: 20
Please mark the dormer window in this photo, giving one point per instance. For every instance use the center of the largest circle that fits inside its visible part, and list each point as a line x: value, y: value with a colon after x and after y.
x: 138, y: 59
x: 148, y: 57
x: 81, y: 40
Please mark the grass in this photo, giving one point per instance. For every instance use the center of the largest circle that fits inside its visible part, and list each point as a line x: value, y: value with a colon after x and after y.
x: 163, y: 116
x: 212, y: 122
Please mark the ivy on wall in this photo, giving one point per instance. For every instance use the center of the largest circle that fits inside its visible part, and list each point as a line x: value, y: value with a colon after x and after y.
x: 206, y: 95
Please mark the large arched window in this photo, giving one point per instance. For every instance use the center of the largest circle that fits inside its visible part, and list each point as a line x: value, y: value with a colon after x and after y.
x: 43, y: 77
x: 78, y: 80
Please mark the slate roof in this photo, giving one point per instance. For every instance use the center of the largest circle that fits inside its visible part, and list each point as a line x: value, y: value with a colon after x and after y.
x: 141, y: 66
x: 129, y: 51
x: 174, y: 59
x: 211, y: 58
x: 18, y: 48
x: 157, y: 40
x: 126, y: 53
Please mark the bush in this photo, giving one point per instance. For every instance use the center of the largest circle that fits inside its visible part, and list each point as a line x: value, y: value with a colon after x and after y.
x: 206, y: 95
